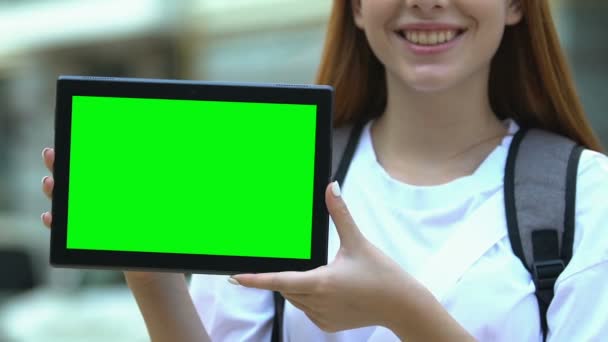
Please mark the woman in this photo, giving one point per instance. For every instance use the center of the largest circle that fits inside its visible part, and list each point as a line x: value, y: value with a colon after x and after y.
x: 442, y: 86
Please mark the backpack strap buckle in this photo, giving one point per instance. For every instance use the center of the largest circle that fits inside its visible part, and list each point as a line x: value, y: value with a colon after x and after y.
x: 546, y: 272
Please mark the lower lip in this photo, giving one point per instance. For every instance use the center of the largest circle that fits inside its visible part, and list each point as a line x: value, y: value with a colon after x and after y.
x: 426, y: 50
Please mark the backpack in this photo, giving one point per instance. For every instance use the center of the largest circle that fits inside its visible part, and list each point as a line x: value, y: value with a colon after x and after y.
x: 540, y: 181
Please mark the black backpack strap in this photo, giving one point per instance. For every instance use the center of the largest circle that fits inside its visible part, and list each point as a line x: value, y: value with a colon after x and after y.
x: 277, y: 320
x: 540, y: 192
x: 344, y: 144
x: 570, y: 215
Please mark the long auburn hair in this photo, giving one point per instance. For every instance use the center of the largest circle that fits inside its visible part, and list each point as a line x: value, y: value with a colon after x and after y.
x: 529, y: 78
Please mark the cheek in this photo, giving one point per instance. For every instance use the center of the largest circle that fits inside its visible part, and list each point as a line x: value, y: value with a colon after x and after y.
x: 487, y: 14
x: 380, y: 45
x: 487, y: 25
x: 380, y: 6
x: 489, y: 32
x: 377, y: 14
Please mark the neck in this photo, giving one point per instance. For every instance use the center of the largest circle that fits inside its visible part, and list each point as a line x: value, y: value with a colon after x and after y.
x: 453, y: 129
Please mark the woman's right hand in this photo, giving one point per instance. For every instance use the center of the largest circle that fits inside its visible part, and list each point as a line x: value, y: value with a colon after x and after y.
x: 48, y: 182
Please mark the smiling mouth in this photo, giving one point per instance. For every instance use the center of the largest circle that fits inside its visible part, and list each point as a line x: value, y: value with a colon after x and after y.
x: 430, y: 37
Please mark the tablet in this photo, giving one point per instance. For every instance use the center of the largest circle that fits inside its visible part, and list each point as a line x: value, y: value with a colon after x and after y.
x: 189, y: 176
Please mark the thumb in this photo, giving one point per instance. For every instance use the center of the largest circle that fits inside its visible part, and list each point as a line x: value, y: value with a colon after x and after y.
x: 349, y: 233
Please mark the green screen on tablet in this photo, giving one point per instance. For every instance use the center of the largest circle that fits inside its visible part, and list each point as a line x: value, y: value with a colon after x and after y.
x: 191, y: 177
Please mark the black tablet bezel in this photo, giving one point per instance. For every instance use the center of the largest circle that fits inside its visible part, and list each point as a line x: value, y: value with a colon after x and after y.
x: 69, y: 86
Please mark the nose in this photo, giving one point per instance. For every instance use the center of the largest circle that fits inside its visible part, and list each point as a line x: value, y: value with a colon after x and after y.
x: 426, y: 5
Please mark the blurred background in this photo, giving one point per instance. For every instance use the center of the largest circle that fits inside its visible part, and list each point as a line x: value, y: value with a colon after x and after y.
x: 236, y: 40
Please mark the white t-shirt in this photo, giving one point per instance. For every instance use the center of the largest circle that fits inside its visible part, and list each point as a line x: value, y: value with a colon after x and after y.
x: 453, y: 238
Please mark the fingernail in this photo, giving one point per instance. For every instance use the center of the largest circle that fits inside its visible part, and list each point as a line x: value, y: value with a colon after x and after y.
x: 335, y: 189
x: 44, y: 179
x: 46, y: 149
x: 233, y: 281
x: 42, y: 217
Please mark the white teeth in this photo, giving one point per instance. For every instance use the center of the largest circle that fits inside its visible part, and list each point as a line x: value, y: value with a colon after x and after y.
x: 441, y: 37
x: 423, y: 38
x: 429, y: 37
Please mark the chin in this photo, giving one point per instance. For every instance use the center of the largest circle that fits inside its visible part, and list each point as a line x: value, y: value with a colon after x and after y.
x: 430, y: 84
x: 429, y: 88
x: 427, y: 81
